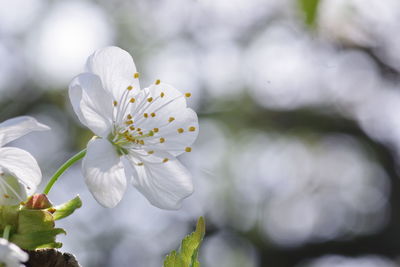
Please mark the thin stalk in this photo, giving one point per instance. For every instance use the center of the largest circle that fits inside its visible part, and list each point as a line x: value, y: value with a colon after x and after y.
x: 62, y: 169
x: 6, y: 232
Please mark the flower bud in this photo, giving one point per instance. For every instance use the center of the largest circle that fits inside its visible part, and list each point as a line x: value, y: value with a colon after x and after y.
x: 38, y: 202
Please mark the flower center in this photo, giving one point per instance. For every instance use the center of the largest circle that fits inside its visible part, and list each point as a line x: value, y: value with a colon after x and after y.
x: 135, y: 109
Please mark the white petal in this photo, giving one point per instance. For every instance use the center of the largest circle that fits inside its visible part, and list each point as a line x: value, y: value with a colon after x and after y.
x: 91, y: 103
x: 165, y: 185
x: 12, y: 191
x: 17, y: 127
x: 176, y: 142
x: 22, y: 165
x: 104, y: 173
x: 171, y: 105
x: 116, y: 69
x: 11, y: 254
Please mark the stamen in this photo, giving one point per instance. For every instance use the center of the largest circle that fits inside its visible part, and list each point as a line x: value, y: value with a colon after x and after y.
x: 162, y: 94
x: 171, y: 119
x: 132, y: 128
x: 145, y: 115
x: 140, y: 164
x: 129, y: 122
x: 188, y: 95
x: 150, y: 152
x: 132, y: 100
x: 165, y: 160
x: 136, y: 75
x: 141, y: 142
x: 153, y: 114
x: 149, y: 99
x: 162, y: 140
x: 180, y: 130
x: 129, y: 116
x: 188, y: 149
x: 155, y: 130
x: 151, y: 133
x: 192, y: 129
x: 115, y: 103
x: 157, y: 82
x: 129, y: 88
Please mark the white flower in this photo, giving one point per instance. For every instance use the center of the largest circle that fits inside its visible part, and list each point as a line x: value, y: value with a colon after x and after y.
x: 11, y: 255
x: 139, y: 132
x: 19, y: 172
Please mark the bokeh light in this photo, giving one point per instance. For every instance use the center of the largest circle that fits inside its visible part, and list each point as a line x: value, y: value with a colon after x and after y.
x: 297, y: 158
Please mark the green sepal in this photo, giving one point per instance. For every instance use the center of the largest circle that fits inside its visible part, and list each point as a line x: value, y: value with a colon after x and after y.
x: 35, y: 229
x: 187, y: 256
x: 66, y: 209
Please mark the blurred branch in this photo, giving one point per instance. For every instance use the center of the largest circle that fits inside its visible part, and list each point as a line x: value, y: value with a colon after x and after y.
x: 51, y: 258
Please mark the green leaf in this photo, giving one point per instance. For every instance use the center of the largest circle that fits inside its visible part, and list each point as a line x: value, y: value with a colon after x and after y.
x: 309, y: 8
x: 39, y: 239
x: 187, y: 256
x: 66, y: 209
x: 35, y: 229
x: 8, y: 215
x: 34, y: 220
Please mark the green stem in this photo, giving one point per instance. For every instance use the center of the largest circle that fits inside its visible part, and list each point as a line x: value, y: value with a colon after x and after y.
x: 6, y: 232
x: 62, y: 169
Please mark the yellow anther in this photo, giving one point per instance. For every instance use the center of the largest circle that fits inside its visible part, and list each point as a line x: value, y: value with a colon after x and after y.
x: 188, y: 95
x: 188, y: 149
x: 132, y: 100
x: 132, y: 128
x: 140, y: 164
x: 157, y: 82
x: 180, y: 130
x: 145, y: 115
x: 115, y: 103
x: 153, y: 114
x: 162, y: 94
x: 136, y: 75
x: 129, y: 122
x: 151, y: 133
x: 149, y: 99
x: 162, y: 140
x: 129, y: 88
x: 138, y: 129
x: 171, y: 119
x: 150, y: 152
x: 155, y: 130
x: 141, y: 142
x: 192, y: 129
x: 140, y: 133
x: 129, y: 116
x: 165, y: 160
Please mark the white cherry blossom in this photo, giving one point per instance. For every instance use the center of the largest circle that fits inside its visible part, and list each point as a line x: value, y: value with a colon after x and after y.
x: 139, y: 132
x: 19, y: 172
x: 11, y: 255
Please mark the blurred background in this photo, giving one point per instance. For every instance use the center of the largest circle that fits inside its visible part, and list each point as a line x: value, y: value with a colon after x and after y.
x: 297, y: 161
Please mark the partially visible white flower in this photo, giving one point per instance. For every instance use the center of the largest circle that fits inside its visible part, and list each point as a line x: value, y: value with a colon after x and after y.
x: 11, y: 255
x: 139, y: 132
x: 19, y: 171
